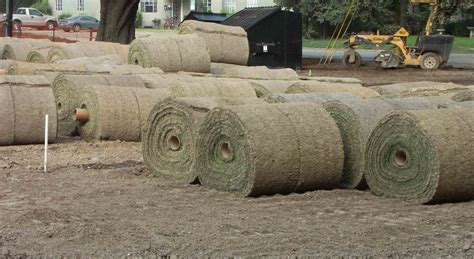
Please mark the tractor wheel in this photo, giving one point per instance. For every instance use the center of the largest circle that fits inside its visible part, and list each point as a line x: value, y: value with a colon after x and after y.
x: 351, y: 59
x: 430, y: 61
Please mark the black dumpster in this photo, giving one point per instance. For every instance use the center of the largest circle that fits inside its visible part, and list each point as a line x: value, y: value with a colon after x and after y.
x: 206, y: 17
x: 275, y: 36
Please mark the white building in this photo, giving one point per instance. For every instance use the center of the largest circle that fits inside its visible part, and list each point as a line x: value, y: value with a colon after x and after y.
x: 156, y: 12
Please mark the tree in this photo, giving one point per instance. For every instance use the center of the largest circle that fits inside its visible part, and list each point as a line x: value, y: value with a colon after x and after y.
x: 117, y: 20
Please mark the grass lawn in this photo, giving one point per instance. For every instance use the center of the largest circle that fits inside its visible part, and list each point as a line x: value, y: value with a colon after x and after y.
x: 461, y: 44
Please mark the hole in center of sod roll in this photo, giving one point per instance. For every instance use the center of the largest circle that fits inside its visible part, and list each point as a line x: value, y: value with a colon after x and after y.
x: 400, y: 158
x: 60, y: 106
x: 226, y: 151
x: 174, y: 143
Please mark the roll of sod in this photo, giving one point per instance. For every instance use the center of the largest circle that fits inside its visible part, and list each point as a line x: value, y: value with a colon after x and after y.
x: 423, y: 155
x: 463, y: 96
x: 83, y: 49
x: 24, y: 101
x: 212, y: 87
x: 171, y: 54
x: 19, y: 50
x: 38, y: 55
x: 169, y: 139
x: 263, y: 87
x: 115, y: 113
x: 7, y: 116
x: 424, y: 88
x: 226, y: 44
x: 257, y: 72
x: 356, y: 119
x: 309, y: 97
x: 321, y: 87
x: 67, y: 90
x: 267, y: 149
x: 345, y: 80
x: 466, y: 104
x: 26, y: 68
x: 107, y: 59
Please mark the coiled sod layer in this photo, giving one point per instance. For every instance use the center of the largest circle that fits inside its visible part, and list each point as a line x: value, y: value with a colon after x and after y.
x: 19, y: 50
x: 86, y: 49
x: 257, y: 72
x: 169, y: 138
x: 172, y: 53
x: 322, y: 87
x: 38, y: 56
x: 423, y: 155
x: 116, y: 113
x: 226, y: 44
x: 7, y: 116
x: 266, y: 149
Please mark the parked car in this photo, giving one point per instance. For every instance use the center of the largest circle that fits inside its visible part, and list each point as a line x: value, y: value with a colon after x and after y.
x: 76, y: 23
x: 31, y: 17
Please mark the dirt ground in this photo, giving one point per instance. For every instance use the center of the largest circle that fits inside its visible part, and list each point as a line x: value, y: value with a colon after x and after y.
x: 99, y: 200
x: 372, y: 75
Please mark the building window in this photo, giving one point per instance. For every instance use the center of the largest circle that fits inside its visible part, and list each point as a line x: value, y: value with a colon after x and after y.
x: 80, y: 5
x: 192, y: 6
x: 59, y: 5
x: 230, y: 6
x: 252, y: 3
x: 149, y: 6
x: 207, y: 5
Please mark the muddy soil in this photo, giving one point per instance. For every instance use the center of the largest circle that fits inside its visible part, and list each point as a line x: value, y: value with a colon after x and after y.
x: 372, y: 75
x: 99, y: 200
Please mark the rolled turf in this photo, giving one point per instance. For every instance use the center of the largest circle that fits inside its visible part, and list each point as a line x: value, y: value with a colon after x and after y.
x: 67, y: 90
x: 322, y: 87
x: 255, y: 72
x: 25, y: 101
x: 425, y: 155
x: 19, y: 50
x: 38, y: 55
x: 424, y: 88
x: 463, y: 96
x: 172, y: 53
x: 267, y: 149
x: 86, y: 49
x: 169, y: 138
x: 226, y: 44
x: 116, y: 113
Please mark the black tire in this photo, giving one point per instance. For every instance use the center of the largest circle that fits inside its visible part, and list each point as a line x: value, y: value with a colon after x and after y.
x: 346, y: 59
x: 50, y: 26
x: 16, y: 25
x: 76, y: 27
x: 430, y: 61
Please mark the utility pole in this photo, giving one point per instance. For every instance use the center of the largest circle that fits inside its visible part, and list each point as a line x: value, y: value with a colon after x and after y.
x: 9, y: 18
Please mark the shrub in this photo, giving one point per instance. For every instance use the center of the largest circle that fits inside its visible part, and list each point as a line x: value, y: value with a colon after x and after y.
x: 459, y: 28
x: 64, y: 16
x: 139, y: 20
x: 43, y: 6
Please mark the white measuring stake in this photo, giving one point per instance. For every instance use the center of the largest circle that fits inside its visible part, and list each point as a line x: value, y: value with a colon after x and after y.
x: 46, y: 144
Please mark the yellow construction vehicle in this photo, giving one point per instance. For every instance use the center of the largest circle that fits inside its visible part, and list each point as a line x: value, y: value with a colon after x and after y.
x: 430, y: 52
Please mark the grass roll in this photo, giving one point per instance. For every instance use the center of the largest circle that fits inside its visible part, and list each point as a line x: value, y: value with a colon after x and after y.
x: 169, y: 139
x: 112, y: 59
x: 26, y: 68
x: 267, y: 149
x: 226, y: 44
x: 320, y: 87
x: 7, y: 116
x: 256, y: 72
x: 463, y: 96
x: 116, y: 113
x: 67, y: 90
x: 85, y: 49
x: 171, y: 54
x: 38, y: 55
x: 345, y: 80
x: 19, y: 50
x: 263, y: 87
x: 424, y: 155
x: 211, y: 87
x: 424, y: 88
x: 309, y: 97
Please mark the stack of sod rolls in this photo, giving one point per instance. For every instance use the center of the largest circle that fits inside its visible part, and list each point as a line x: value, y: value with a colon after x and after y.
x: 68, y: 88
x: 172, y: 53
x: 169, y: 138
x: 266, y: 149
x: 226, y: 44
x: 24, y: 102
x: 423, y: 155
x: 86, y: 49
x: 259, y: 72
x: 115, y: 113
x: 38, y: 55
x: 26, y: 68
x: 19, y: 50
x: 322, y: 87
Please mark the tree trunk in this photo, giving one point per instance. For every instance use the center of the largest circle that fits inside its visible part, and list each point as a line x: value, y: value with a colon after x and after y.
x: 117, y: 20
